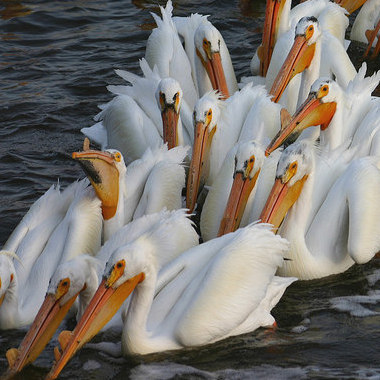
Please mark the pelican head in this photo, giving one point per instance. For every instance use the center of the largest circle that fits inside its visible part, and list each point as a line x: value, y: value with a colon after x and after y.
x: 125, y: 269
x: 248, y: 161
x: 103, y: 169
x: 169, y: 97
x: 206, y: 116
x: 318, y: 109
x: 293, y: 169
x: 300, y: 56
x: 207, y: 46
x: 68, y: 281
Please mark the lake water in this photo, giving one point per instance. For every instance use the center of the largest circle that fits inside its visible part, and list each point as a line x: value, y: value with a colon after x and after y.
x: 56, y: 59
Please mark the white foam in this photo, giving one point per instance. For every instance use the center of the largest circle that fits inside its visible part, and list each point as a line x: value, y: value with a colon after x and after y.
x: 354, y: 304
x: 166, y: 371
x: 112, y: 349
x: 302, y: 327
x: 91, y: 365
x: 374, y: 277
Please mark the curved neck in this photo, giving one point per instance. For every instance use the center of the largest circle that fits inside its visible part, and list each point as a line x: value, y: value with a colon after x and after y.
x: 135, y: 333
x: 119, y: 219
x: 86, y: 295
x: 9, y: 312
x: 333, y: 136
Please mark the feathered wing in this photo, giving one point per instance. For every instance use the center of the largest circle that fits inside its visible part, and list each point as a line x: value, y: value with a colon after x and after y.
x: 163, y: 189
x: 142, y: 90
x: 335, y: 60
x: 164, y: 50
x: 358, y: 95
x: 186, y: 28
x: 176, y: 275
x: 79, y: 232
x: 129, y: 129
x: 217, y: 197
x: 231, y: 287
x: 350, y: 206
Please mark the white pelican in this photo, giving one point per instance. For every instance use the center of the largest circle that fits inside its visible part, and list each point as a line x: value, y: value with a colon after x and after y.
x: 314, y: 53
x: 366, y: 26
x: 279, y: 25
x: 165, y: 51
x: 125, y: 124
x: 217, y: 128
x: 338, y: 112
x: 81, y: 276
x: 233, y: 189
x: 146, y: 186
x: 57, y: 227
x: 206, y: 63
x: 218, y: 289
x: 328, y: 233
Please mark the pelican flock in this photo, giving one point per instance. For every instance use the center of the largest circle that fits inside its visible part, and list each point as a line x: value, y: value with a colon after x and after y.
x: 207, y: 197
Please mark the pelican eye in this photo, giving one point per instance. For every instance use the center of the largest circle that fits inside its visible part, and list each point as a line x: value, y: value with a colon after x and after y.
x: 117, y: 157
x: 205, y: 42
x: 62, y: 288
x: 209, y: 113
x: 252, y: 159
x: 175, y: 96
x: 325, y: 88
x: 119, y: 265
x: 309, y: 32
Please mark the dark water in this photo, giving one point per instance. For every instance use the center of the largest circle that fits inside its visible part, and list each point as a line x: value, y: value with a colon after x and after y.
x: 56, y: 59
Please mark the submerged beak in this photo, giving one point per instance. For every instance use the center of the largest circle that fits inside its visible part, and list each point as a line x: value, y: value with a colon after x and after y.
x: 311, y: 113
x: 280, y: 200
x: 214, y: 68
x: 102, y: 307
x: 299, y: 58
x: 170, y: 126
x: 237, y: 201
x: 350, y: 5
x: 199, y: 163
x: 101, y: 170
x: 273, y: 13
x: 47, y: 320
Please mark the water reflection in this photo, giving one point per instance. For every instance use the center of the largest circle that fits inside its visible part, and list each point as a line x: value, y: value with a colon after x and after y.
x: 12, y: 9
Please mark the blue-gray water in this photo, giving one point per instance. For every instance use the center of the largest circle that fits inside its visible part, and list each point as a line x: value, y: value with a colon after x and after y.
x: 56, y: 59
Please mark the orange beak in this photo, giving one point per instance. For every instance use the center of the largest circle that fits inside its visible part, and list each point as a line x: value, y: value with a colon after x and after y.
x: 237, y: 201
x: 312, y: 112
x: 299, y: 58
x: 170, y: 126
x: 371, y: 35
x: 101, y: 170
x: 214, y: 68
x: 199, y: 163
x: 2, y: 297
x: 273, y: 13
x: 350, y: 5
x: 47, y: 320
x: 280, y: 200
x: 102, y: 307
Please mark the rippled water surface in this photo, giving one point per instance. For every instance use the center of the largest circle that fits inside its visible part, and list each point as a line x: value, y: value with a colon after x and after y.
x: 56, y: 59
